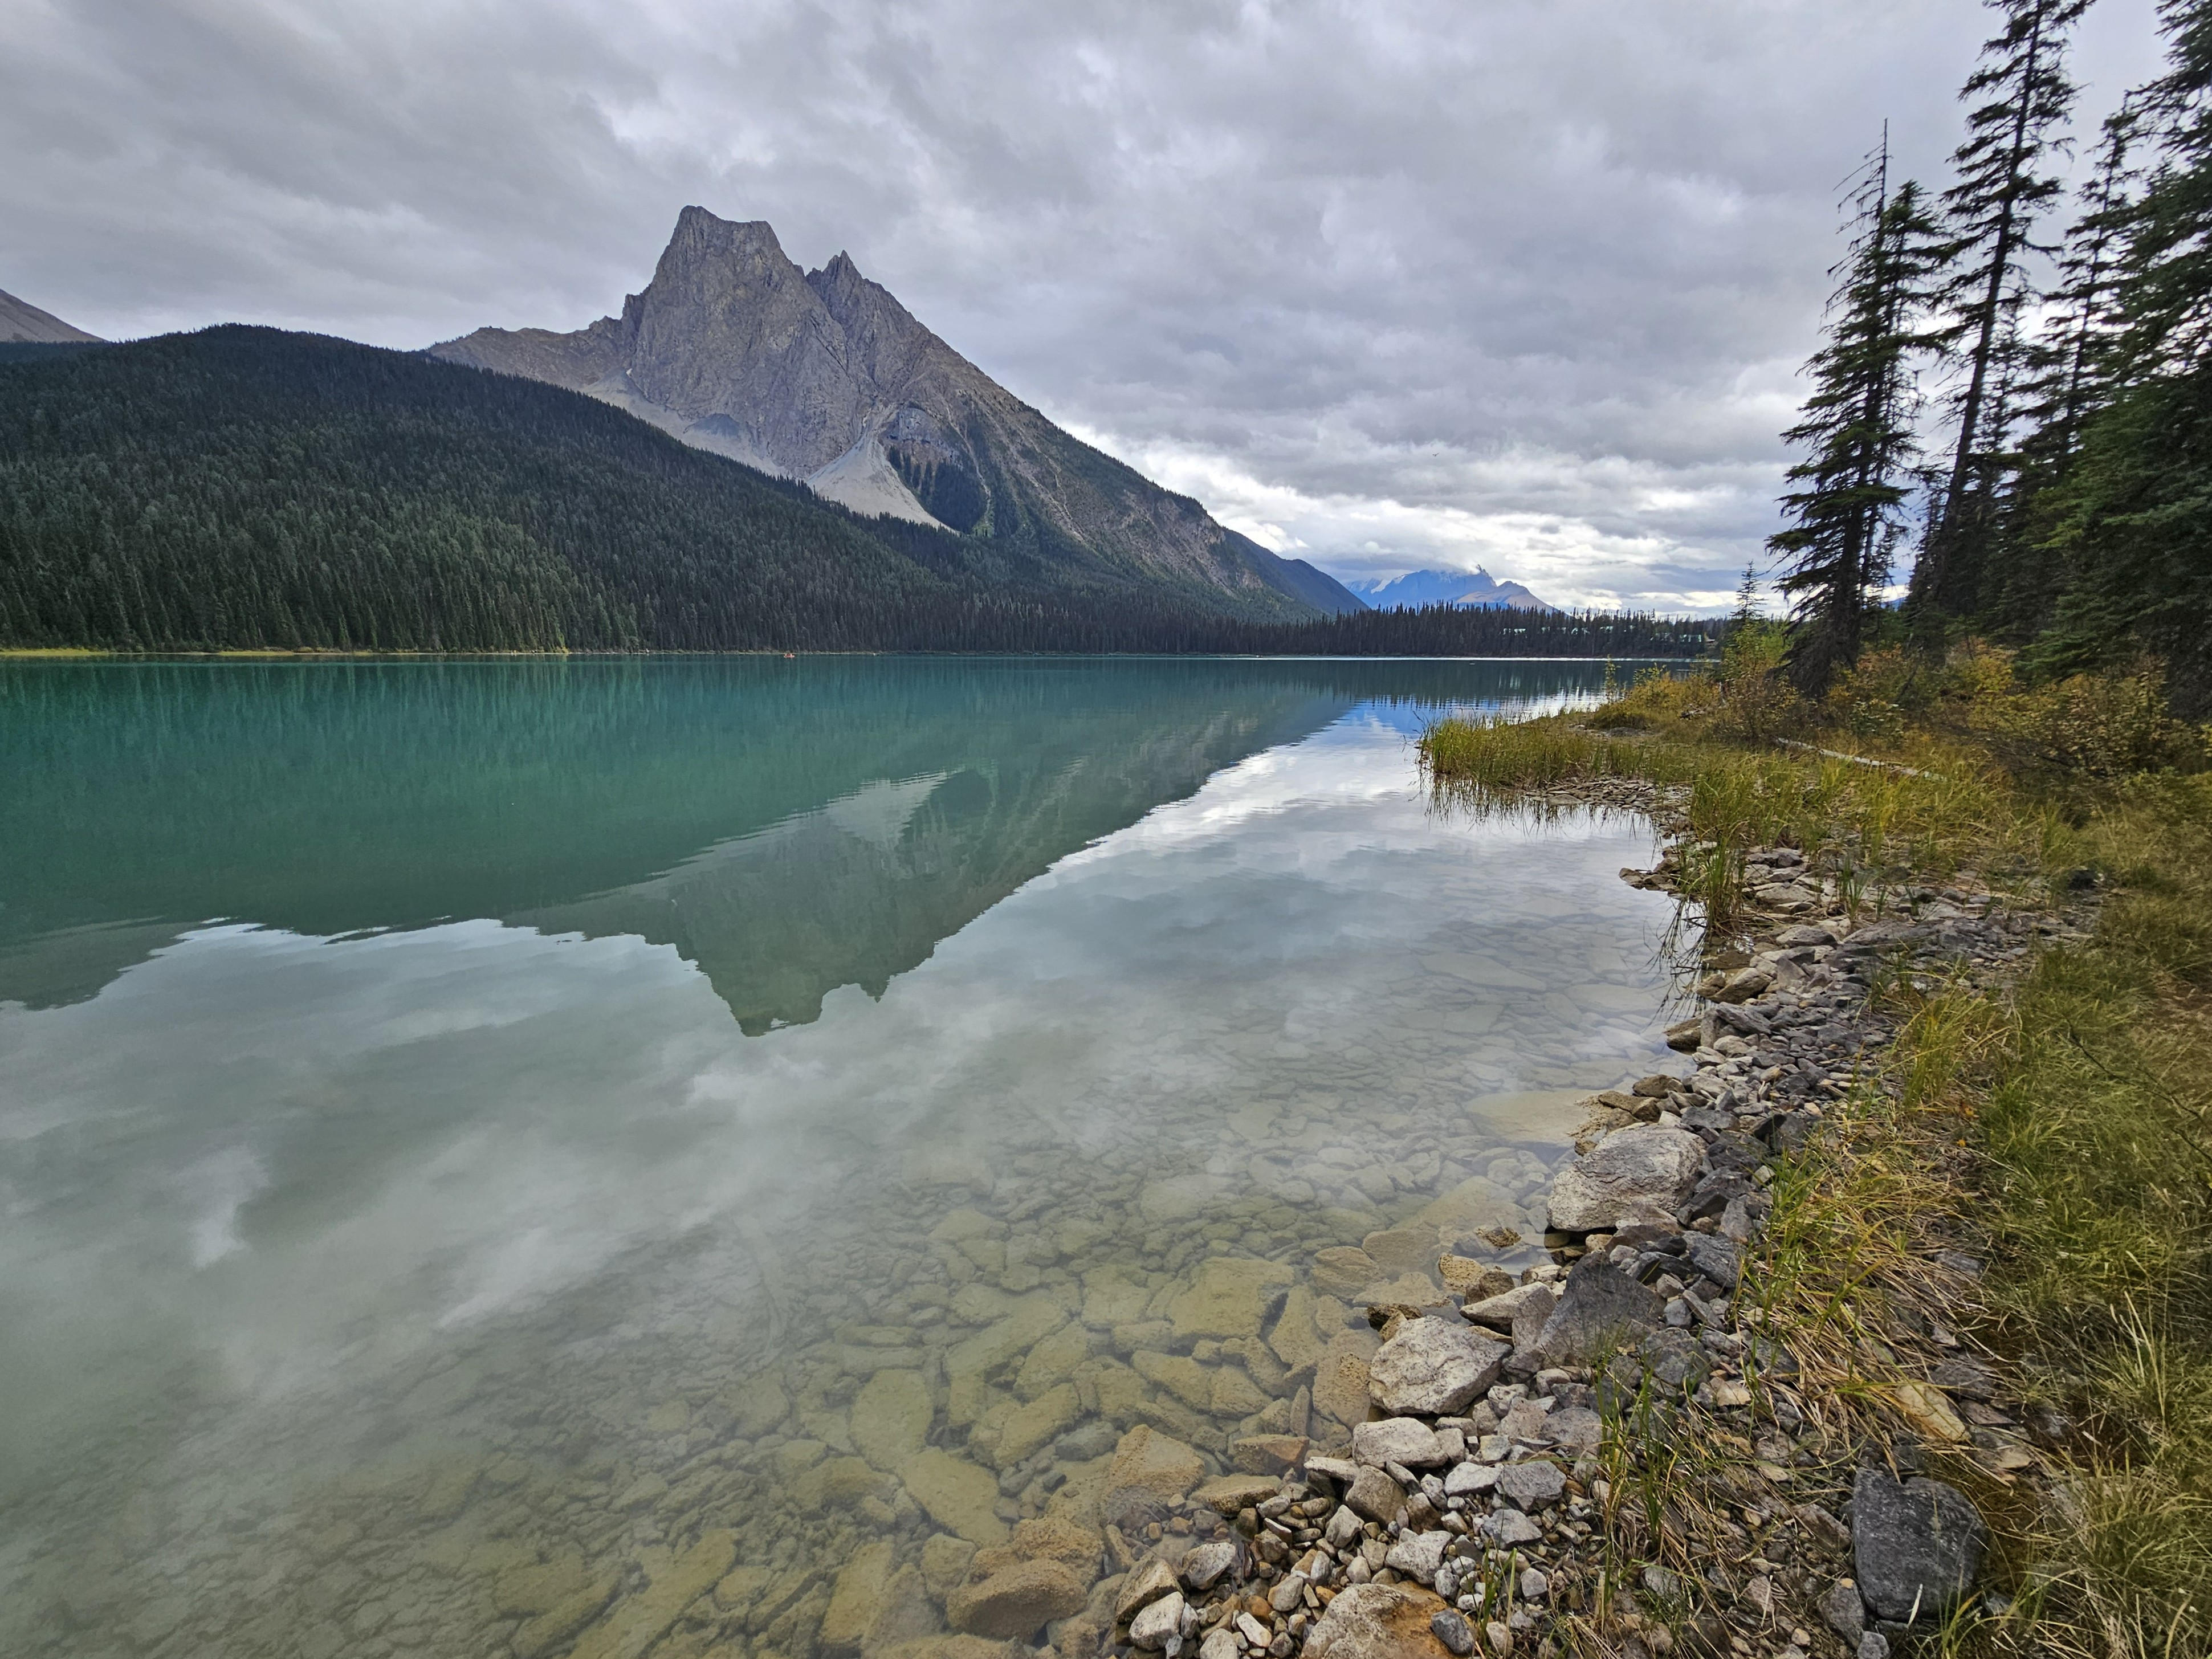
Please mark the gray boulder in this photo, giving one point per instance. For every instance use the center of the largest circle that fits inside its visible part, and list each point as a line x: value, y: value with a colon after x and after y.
x: 1377, y: 1621
x: 1915, y: 1545
x: 1716, y: 1258
x: 1602, y: 1310
x: 1434, y: 1367
x: 1535, y: 1485
x: 1641, y: 1171
x: 1374, y: 1496
x: 1402, y: 1440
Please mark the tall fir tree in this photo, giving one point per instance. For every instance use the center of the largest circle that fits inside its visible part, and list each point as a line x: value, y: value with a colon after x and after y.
x: 2020, y: 98
x: 1849, y: 491
x: 2067, y: 376
x: 2134, y: 517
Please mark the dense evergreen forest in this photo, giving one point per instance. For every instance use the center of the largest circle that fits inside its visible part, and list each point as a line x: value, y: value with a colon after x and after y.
x: 244, y: 488
x: 2060, y: 487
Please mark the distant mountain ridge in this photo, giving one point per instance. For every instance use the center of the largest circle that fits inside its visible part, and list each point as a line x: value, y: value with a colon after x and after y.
x: 1475, y: 590
x: 824, y: 376
x: 24, y: 323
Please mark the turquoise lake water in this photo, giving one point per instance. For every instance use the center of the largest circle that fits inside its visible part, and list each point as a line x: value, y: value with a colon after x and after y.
x: 491, y: 1150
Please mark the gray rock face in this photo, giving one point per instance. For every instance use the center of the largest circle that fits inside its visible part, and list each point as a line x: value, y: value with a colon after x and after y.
x: 20, y: 321
x: 1604, y: 1309
x: 1915, y: 1546
x: 823, y: 375
x: 1646, y: 1169
x: 1433, y: 1366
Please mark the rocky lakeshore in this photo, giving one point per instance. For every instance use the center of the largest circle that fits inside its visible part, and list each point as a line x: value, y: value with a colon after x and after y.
x: 1330, y: 1367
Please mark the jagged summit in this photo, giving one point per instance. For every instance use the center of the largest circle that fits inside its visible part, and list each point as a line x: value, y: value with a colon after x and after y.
x: 21, y: 322
x: 823, y: 375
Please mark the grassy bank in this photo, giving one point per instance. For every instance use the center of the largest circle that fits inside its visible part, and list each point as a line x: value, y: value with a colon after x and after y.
x: 2053, y: 1119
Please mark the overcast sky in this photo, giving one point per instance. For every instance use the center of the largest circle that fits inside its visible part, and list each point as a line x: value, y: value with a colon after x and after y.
x: 1389, y: 284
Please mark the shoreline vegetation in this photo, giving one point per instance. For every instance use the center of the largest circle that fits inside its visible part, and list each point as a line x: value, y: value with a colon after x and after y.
x: 1948, y: 1018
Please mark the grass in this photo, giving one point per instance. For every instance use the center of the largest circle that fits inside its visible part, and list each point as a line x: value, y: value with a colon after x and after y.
x: 2058, y: 1125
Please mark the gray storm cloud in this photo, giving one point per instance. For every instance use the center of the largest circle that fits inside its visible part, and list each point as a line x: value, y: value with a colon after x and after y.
x: 1389, y: 283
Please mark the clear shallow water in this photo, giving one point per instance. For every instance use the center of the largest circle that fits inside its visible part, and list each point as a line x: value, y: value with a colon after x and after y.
x: 489, y: 1149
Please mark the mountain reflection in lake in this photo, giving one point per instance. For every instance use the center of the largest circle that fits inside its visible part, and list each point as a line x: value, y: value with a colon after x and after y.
x: 489, y: 1145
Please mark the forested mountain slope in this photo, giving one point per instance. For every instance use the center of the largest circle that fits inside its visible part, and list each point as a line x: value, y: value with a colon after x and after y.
x: 244, y: 487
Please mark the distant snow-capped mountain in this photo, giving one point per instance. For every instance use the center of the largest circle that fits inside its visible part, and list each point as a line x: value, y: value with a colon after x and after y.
x: 1473, y: 590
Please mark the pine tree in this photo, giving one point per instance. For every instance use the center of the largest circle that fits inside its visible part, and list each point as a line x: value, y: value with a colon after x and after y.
x: 1989, y: 214
x: 1858, y: 428
x: 2134, y: 518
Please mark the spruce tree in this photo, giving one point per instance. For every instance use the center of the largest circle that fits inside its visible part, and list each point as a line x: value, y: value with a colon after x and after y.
x: 1851, y: 486
x: 2004, y: 182
x: 2132, y: 518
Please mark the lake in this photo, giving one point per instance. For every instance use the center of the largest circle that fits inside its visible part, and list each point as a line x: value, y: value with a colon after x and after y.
x: 533, y: 1155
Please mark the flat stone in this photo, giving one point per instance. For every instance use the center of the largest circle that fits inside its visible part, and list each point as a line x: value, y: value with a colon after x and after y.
x: 1229, y: 1296
x: 1339, y: 1385
x: 1468, y: 1479
x: 1576, y: 1429
x: 1916, y: 1546
x: 1472, y: 1280
x: 1535, y: 1485
x: 1645, y: 1169
x: 1400, y: 1251
x: 957, y: 1495
x: 1397, y: 1440
x: 1267, y: 1454
x: 1374, y: 1496
x: 1499, y: 1311
x: 1147, y: 1582
x: 1228, y: 1493
x: 1844, y: 1611
x: 1433, y: 1366
x: 1417, y: 1554
x: 1343, y: 1270
x: 634, y: 1624
x: 1180, y: 1375
x: 857, y: 1601
x: 1716, y: 1258
x: 1149, y: 1476
x: 1377, y: 1621
x: 1158, y: 1624
x: 944, y: 1561
x: 1207, y: 1565
x: 1294, y: 1337
x: 1602, y: 1310
x: 1031, y: 1428
x: 1677, y: 1360
x: 891, y: 1419
x: 1511, y: 1527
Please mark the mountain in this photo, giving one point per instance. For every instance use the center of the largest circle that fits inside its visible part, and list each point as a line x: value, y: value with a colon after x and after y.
x: 24, y: 323
x: 1477, y: 591
x: 823, y: 376
x: 244, y: 487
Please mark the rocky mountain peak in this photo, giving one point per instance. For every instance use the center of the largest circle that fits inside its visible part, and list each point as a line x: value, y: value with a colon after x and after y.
x: 823, y: 375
